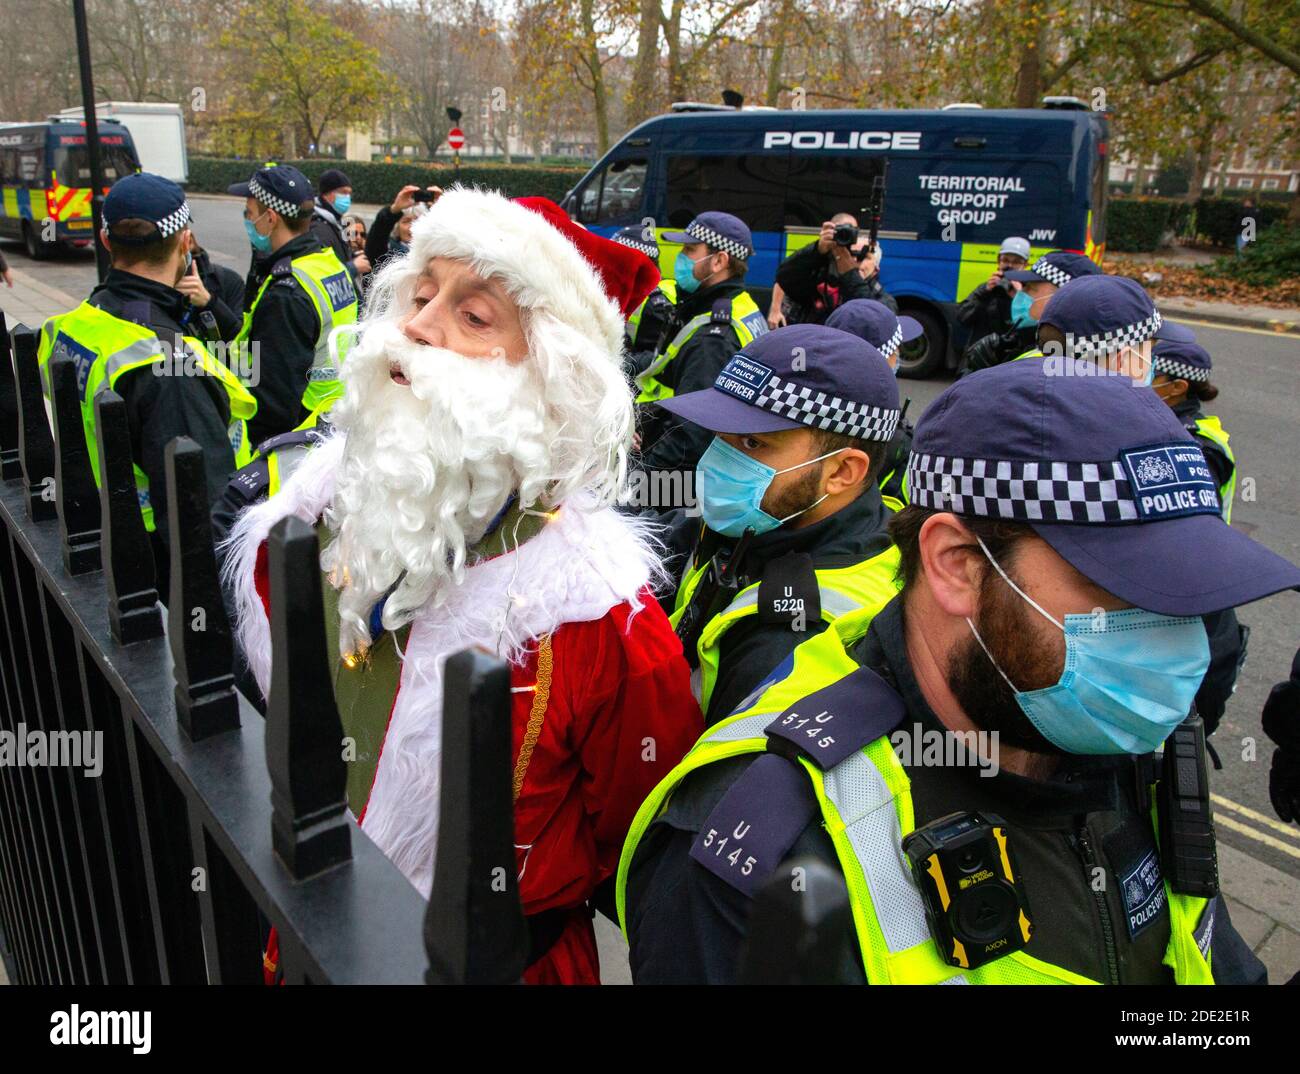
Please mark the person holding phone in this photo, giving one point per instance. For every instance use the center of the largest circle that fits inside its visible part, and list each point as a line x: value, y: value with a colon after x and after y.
x: 390, y: 233
x: 216, y: 294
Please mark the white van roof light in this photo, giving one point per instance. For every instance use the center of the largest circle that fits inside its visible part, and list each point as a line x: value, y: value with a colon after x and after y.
x: 1073, y: 104
x: 961, y: 104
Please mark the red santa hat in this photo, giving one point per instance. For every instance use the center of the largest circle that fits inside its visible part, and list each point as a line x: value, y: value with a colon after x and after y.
x: 545, y: 260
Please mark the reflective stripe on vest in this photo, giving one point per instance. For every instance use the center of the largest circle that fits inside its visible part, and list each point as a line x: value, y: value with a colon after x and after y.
x: 866, y: 586
x: 866, y: 806
x: 104, y: 347
x: 323, y: 277
x: 743, y: 323
x: 1212, y: 429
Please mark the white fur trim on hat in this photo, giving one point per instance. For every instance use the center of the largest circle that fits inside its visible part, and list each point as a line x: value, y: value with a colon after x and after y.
x: 541, y: 269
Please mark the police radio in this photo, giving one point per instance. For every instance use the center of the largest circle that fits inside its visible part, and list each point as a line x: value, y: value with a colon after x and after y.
x: 1187, y: 852
x: 717, y: 587
x: 975, y: 904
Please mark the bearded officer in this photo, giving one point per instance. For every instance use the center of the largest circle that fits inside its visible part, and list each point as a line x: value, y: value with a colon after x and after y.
x: 1033, y: 544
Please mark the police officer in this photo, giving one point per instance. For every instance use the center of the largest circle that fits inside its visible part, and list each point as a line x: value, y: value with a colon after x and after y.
x: 334, y: 202
x: 1033, y: 287
x: 216, y: 293
x: 136, y: 335
x: 987, y: 309
x: 716, y: 317
x: 794, y: 526
x: 1033, y: 544
x: 300, y: 294
x: 886, y: 331
x: 652, y: 323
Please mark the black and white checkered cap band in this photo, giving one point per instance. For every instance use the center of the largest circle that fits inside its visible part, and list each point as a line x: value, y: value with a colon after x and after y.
x: 1022, y: 491
x: 890, y: 347
x: 647, y: 248
x: 718, y: 241
x: 272, y: 201
x: 1113, y: 341
x: 1179, y: 370
x: 1049, y: 272
x: 174, y: 221
x: 829, y: 412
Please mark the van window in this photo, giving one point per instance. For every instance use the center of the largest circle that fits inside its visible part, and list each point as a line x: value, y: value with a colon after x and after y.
x: 614, y: 197
x: 822, y: 185
x: 72, y: 163
x: 752, y: 186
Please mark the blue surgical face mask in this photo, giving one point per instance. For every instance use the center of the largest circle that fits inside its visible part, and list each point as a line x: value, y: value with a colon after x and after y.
x: 1020, y: 315
x: 342, y: 203
x: 261, y: 243
x: 684, y: 273
x: 732, y: 485
x: 1129, y: 678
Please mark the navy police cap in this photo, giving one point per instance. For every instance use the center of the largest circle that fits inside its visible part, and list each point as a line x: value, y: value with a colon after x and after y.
x: 1058, y: 268
x: 1104, y: 472
x: 804, y: 375
x: 280, y: 187
x: 1182, y: 361
x: 145, y: 196
x: 876, y: 323
x: 1101, y: 314
x: 722, y: 231
x: 639, y: 238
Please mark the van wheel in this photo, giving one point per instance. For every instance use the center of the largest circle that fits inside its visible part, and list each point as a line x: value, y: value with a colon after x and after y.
x: 924, y: 356
x: 36, y: 250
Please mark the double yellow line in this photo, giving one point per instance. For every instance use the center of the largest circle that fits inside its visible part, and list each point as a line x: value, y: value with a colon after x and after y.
x: 1226, y: 815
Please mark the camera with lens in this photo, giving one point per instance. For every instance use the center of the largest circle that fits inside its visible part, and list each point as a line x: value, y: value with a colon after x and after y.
x: 845, y: 235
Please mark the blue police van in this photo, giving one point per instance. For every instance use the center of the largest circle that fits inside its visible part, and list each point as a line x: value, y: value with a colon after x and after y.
x: 957, y: 182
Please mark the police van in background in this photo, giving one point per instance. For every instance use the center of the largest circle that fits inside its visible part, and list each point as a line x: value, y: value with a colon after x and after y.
x: 957, y: 182
x: 45, y: 188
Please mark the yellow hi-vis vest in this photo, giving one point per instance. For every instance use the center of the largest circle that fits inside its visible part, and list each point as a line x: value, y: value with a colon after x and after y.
x: 104, y: 347
x: 1212, y: 429
x: 747, y: 321
x: 866, y: 807
x: 669, y: 290
x: 329, y: 285
x: 283, y: 454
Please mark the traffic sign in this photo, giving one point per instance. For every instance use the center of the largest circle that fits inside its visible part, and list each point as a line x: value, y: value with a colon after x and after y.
x: 456, y: 139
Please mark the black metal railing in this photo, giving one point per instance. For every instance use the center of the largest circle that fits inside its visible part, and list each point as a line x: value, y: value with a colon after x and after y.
x: 206, y: 824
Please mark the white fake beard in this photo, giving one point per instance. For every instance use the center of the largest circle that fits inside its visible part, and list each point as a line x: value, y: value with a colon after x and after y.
x: 425, y: 469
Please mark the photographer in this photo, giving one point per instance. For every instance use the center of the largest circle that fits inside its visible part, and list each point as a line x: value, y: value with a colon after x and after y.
x: 987, y: 309
x: 390, y: 232
x: 837, y: 268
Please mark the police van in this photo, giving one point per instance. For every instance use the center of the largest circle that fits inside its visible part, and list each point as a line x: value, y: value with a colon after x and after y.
x: 957, y: 182
x: 45, y: 180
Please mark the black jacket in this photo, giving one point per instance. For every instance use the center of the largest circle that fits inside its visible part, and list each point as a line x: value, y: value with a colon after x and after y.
x: 380, y: 244
x: 160, y: 408
x: 995, y: 349
x: 658, y: 326
x: 226, y: 307
x: 815, y: 289
x: 756, y: 644
x: 327, y: 226
x: 285, y: 326
x: 686, y: 925
x: 668, y: 443
x: 986, y: 310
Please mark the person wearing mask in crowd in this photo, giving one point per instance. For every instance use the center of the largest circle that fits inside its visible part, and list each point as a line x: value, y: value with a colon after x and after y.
x: 334, y: 199
x: 835, y: 269
x: 987, y: 309
x: 390, y: 231
x: 1032, y: 288
x: 1042, y: 641
x: 215, y: 292
x: 886, y: 331
x: 296, y: 328
x: 135, y: 335
x: 801, y: 421
x: 714, y: 318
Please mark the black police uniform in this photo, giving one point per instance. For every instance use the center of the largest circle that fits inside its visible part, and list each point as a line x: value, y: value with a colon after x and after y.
x: 1086, y: 816
x: 285, y: 326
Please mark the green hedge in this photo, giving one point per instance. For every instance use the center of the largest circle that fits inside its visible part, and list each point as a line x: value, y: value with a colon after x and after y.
x: 1136, y: 225
x: 1218, y: 220
x: 378, y: 183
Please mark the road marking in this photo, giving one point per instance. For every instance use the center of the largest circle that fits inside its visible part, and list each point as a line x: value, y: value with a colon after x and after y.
x: 1236, y: 807
x: 1275, y: 333
x: 1247, y: 830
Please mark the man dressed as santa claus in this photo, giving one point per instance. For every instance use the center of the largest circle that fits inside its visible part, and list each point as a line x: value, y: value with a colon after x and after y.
x: 465, y: 499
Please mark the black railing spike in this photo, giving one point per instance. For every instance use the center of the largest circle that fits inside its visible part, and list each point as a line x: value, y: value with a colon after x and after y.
x: 474, y: 929
x: 10, y: 467
x: 133, y: 612
x: 304, y: 735
x: 35, y: 442
x: 800, y: 927
x: 197, y: 627
x: 76, y: 496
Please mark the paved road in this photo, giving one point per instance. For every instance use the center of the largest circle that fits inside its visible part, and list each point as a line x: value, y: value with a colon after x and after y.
x: 1259, y: 375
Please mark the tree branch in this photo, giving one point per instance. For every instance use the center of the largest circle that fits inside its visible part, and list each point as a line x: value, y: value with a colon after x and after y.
x: 1270, y: 48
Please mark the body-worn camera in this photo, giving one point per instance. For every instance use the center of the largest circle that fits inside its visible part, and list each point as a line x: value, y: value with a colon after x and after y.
x: 974, y: 902
x: 845, y: 235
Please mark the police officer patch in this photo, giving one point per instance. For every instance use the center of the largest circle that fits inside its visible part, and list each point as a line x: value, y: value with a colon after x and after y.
x: 82, y: 358
x: 339, y: 288
x: 743, y: 377
x: 1142, y: 891
x: 1171, y: 480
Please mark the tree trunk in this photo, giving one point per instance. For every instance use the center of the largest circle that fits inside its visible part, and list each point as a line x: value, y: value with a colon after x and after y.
x: 673, y: 36
x: 773, y: 95
x: 1030, y: 76
x: 591, y: 59
x: 642, y: 100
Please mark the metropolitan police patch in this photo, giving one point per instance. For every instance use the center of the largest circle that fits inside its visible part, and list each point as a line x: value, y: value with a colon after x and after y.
x: 1171, y: 480
x: 1142, y: 890
x: 743, y: 377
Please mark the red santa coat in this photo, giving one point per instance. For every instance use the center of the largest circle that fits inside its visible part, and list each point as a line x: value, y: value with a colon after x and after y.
x: 581, y: 627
